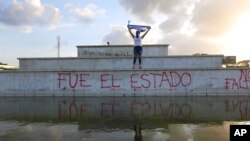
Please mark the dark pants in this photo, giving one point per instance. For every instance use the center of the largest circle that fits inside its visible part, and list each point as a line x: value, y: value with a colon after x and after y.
x: 137, y: 53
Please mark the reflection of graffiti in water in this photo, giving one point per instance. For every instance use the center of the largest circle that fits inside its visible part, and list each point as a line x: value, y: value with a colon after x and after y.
x: 137, y: 108
x: 71, y: 110
x: 211, y: 109
x: 167, y: 110
x: 108, y: 109
x: 241, y: 106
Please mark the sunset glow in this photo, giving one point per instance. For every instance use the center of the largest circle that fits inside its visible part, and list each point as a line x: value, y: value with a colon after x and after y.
x: 237, y: 40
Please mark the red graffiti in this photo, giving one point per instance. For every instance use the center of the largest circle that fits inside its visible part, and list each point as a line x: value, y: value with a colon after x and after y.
x: 72, y: 80
x: 146, y: 83
x: 83, y: 81
x: 107, y: 81
x: 134, y: 81
x: 153, y: 80
x: 168, y: 79
x: 238, y: 83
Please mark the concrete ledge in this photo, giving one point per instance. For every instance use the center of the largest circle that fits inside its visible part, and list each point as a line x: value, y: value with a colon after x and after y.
x: 125, y: 70
x: 118, y: 57
x: 120, y: 63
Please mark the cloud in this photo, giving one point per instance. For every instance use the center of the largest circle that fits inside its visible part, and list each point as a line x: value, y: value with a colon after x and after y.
x: 118, y: 35
x: 174, y: 14
x: 86, y: 14
x: 210, y: 17
x: 145, y: 10
x: 189, y: 26
x: 187, y: 45
x: 26, y: 29
x: 213, y: 17
x: 174, y: 22
x: 28, y: 14
x: 140, y: 8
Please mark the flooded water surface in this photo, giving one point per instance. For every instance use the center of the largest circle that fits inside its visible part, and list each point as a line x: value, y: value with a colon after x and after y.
x: 121, y: 118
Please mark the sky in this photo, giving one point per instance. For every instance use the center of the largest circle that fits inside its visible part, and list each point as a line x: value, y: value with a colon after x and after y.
x: 29, y: 28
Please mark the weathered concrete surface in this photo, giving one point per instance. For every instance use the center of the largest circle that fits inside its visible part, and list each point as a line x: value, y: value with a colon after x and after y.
x: 168, y: 109
x: 121, y: 63
x: 120, y: 50
x: 160, y: 82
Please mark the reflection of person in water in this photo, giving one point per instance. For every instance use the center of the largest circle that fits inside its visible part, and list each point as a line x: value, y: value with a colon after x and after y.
x: 138, y: 136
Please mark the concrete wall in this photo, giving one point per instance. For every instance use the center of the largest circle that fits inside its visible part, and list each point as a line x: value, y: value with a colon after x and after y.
x: 120, y: 50
x: 187, y: 109
x: 126, y: 83
x: 121, y: 63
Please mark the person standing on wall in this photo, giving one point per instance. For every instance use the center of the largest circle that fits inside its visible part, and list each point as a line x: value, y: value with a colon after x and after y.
x: 137, y: 41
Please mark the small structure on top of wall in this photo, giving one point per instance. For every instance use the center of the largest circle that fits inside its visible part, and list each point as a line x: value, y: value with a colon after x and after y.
x: 120, y: 50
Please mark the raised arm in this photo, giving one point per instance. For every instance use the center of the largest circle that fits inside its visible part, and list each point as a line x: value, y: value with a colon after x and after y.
x: 145, y: 33
x: 131, y: 32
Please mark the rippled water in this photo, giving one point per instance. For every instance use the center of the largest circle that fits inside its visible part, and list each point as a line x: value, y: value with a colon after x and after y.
x: 121, y: 118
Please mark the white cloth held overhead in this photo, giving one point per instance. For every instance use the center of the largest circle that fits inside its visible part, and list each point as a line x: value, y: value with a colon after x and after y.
x: 140, y: 28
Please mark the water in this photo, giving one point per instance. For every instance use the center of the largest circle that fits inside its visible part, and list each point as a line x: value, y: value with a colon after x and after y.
x: 121, y: 118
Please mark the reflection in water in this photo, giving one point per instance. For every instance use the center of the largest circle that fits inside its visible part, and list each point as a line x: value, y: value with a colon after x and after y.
x: 137, y: 129
x: 121, y: 118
